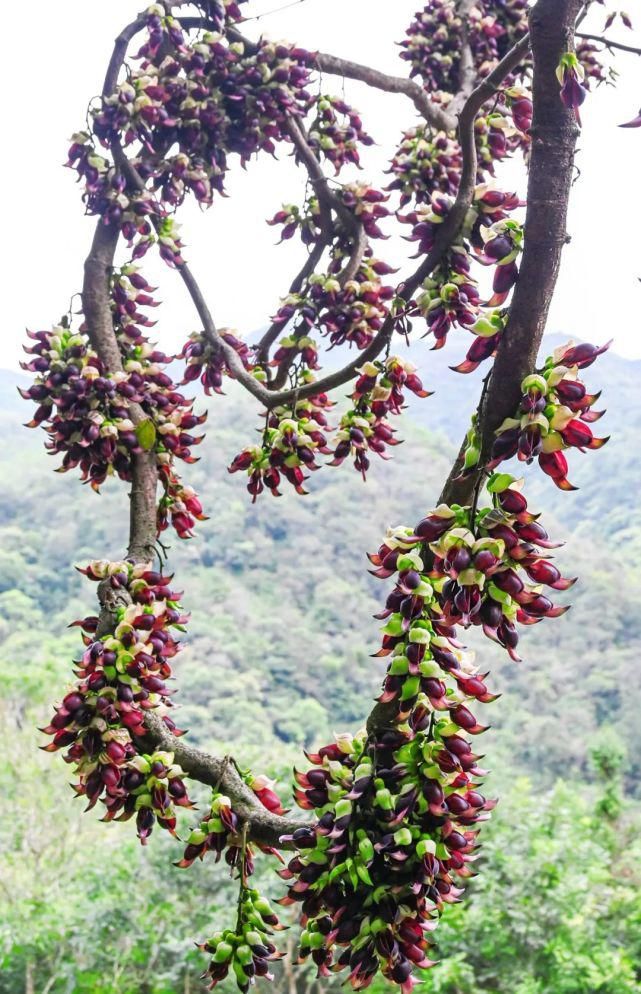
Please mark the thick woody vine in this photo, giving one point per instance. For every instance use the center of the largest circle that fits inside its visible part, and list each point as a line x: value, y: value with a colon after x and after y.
x: 397, y: 807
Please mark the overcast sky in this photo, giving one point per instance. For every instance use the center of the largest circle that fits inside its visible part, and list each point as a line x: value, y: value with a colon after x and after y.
x: 55, y: 63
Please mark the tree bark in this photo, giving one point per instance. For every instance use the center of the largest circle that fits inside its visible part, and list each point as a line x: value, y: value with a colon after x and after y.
x: 554, y: 135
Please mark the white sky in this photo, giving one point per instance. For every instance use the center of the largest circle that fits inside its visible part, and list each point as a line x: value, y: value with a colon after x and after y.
x: 55, y: 64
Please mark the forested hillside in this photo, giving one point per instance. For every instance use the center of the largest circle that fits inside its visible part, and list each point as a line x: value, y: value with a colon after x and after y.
x: 278, y: 656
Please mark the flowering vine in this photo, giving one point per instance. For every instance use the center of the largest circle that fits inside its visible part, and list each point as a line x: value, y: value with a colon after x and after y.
x: 397, y: 807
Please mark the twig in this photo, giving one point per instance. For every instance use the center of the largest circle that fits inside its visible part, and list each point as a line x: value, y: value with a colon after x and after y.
x: 609, y: 43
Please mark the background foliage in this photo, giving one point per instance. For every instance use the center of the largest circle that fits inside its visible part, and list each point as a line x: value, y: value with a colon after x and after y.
x: 278, y: 658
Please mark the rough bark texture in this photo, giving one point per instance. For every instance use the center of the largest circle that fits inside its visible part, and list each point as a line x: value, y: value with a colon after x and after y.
x: 554, y: 134
x: 97, y: 310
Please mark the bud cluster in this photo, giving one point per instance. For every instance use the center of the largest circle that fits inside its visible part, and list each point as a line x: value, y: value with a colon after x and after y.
x: 306, y: 221
x: 85, y: 410
x: 398, y: 807
x: 215, y: 833
x: 425, y: 163
x: 346, y: 313
x: 428, y: 162
x: 120, y: 676
x: 247, y: 950
x: 469, y: 572
x: 554, y: 415
x: 397, y: 824
x: 205, y: 360
x: 207, y: 98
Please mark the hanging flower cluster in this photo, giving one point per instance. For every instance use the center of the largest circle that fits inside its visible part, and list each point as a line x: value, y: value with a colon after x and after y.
x: 428, y: 162
x: 214, y: 834
x: 246, y: 950
x: 399, y: 807
x: 378, y: 392
x: 206, y: 361
x: 85, y: 411
x: 207, y: 98
x: 350, y: 313
x: 450, y: 295
x: 336, y: 132
x: 397, y: 814
x: 425, y: 163
x: 292, y: 439
x: 306, y: 221
x: 435, y: 39
x: 120, y: 677
x: 554, y: 415
x: 367, y: 204
x: 291, y: 442
x: 478, y: 567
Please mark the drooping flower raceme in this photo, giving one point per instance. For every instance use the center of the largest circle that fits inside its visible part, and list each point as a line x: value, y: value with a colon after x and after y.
x: 399, y: 805
x: 554, y: 415
x: 85, y: 410
x: 121, y: 675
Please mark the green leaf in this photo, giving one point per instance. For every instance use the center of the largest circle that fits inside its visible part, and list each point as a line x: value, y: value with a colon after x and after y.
x: 146, y: 434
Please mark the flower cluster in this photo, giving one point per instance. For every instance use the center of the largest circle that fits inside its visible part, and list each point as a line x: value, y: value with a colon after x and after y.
x: 428, y: 163
x: 215, y: 833
x: 367, y: 204
x: 378, y: 392
x: 481, y: 563
x: 186, y: 108
x: 425, y: 163
x: 450, y: 296
x: 554, y: 415
x: 435, y: 39
x: 207, y: 98
x: 121, y: 676
x: 398, y: 807
x: 336, y: 132
x: 347, y: 313
x: 246, y: 950
x: 206, y: 361
x: 397, y: 822
x: 305, y: 221
x: 292, y: 439
x: 86, y: 412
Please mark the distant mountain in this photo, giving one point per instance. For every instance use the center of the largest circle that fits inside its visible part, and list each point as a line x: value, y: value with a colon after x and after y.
x: 281, y: 636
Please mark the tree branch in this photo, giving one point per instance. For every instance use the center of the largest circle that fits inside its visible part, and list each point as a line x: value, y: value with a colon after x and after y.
x: 264, y: 827
x: 434, y: 113
x: 554, y: 134
x: 96, y: 304
x: 609, y: 43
